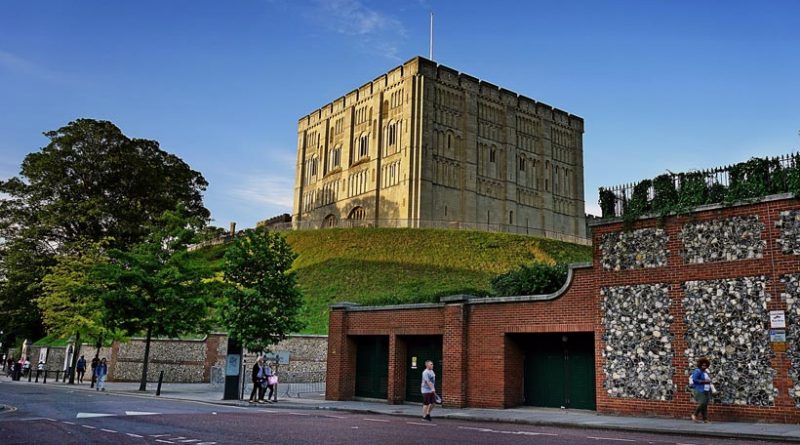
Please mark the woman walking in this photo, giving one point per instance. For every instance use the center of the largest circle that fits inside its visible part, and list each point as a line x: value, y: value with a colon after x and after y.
x: 701, y: 387
x: 101, y: 371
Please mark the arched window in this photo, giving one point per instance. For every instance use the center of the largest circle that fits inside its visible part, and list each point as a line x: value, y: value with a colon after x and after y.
x: 357, y: 214
x: 334, y: 157
x: 492, y: 154
x: 329, y: 221
x: 363, y: 145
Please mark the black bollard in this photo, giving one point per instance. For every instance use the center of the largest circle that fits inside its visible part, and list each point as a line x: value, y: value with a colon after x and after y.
x: 45, y: 377
x: 30, y: 375
x: 160, y: 379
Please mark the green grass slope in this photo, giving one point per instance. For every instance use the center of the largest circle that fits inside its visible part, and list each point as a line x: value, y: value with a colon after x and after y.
x: 374, y: 266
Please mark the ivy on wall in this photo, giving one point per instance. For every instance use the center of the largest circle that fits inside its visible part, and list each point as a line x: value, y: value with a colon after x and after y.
x: 679, y: 193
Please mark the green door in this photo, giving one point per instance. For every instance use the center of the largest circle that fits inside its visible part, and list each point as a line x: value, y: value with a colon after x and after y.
x: 372, y: 367
x: 559, y: 370
x: 419, y: 350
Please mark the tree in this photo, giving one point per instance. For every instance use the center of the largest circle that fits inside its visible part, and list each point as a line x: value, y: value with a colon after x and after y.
x: 22, y: 266
x: 261, y: 303
x: 71, y: 302
x: 156, y: 287
x: 91, y: 182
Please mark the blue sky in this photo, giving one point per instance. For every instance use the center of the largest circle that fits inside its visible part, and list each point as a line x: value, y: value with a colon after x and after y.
x: 661, y: 84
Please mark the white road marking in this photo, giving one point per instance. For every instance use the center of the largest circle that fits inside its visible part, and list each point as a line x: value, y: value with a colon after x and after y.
x: 518, y: 433
x: 331, y: 416
x: 268, y: 411
x: 177, y: 438
x: 207, y: 443
x: 89, y: 415
x: 189, y: 441
x: 90, y: 427
x: 52, y: 420
x: 298, y: 414
x: 68, y: 423
x: 159, y: 435
x: 140, y: 413
x: 610, y: 438
x: 133, y: 435
x: 163, y: 441
x: 375, y: 420
x: 421, y: 424
x: 108, y: 431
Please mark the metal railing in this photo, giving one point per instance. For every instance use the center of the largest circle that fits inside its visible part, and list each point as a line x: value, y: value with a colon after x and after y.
x: 712, y: 177
x: 293, y: 384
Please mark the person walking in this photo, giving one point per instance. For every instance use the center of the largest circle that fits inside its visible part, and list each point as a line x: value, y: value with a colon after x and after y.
x: 258, y: 377
x: 101, y: 372
x: 94, y: 363
x: 701, y: 388
x: 270, y: 380
x: 39, y: 369
x: 428, y: 390
x: 80, y: 367
x: 26, y: 366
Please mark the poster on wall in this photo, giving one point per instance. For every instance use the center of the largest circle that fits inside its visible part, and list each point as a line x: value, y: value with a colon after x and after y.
x: 43, y: 355
x: 777, y: 319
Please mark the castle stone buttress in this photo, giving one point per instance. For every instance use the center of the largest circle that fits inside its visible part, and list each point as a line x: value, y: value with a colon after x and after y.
x: 426, y: 146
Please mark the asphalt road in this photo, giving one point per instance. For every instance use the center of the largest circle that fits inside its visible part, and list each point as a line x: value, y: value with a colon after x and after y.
x: 50, y: 415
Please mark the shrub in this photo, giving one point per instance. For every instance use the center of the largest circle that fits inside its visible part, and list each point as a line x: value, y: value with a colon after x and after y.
x: 534, y: 279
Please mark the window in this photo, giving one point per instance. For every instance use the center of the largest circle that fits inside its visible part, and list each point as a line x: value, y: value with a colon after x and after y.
x: 449, y: 140
x: 329, y: 221
x: 357, y: 214
x: 363, y: 146
x: 492, y: 154
x: 334, y: 157
x: 521, y: 164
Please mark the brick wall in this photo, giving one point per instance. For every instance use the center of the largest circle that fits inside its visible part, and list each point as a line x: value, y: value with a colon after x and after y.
x: 477, y: 333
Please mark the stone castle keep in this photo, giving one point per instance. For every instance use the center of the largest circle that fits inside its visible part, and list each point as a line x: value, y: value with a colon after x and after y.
x: 426, y: 146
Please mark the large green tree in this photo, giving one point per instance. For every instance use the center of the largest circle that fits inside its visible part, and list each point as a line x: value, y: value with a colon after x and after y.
x: 261, y: 302
x: 90, y: 182
x: 156, y: 287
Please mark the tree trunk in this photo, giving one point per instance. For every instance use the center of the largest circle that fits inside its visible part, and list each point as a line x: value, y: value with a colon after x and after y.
x: 75, y: 354
x: 143, y: 383
x: 99, y: 345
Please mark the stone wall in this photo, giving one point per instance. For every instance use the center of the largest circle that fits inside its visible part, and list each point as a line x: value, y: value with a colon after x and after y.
x: 791, y: 297
x: 728, y: 239
x: 638, y: 352
x: 789, y: 223
x: 725, y: 322
x: 307, y: 358
x: 638, y: 249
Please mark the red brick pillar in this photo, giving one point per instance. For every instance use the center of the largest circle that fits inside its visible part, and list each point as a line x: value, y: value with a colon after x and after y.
x: 397, y: 370
x: 454, y: 351
x: 340, y: 375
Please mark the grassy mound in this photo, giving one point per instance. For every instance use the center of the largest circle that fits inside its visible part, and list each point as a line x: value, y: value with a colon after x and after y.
x: 374, y: 266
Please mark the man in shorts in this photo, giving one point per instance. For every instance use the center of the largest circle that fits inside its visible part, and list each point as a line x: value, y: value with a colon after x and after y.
x: 428, y: 390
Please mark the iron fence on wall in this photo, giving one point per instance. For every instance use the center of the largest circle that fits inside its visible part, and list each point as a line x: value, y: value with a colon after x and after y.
x: 717, y: 177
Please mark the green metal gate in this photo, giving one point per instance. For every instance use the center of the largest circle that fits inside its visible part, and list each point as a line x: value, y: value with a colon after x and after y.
x: 419, y: 350
x: 372, y: 367
x: 559, y: 370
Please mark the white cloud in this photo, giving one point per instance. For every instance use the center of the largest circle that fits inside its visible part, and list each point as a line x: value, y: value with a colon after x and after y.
x: 275, y: 191
x: 370, y: 29
x: 14, y: 63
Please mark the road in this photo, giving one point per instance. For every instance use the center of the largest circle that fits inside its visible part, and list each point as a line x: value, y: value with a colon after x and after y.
x: 59, y: 415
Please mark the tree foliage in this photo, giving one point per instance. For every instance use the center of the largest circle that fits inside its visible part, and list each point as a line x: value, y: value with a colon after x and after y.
x: 89, y: 183
x: 534, y: 279
x: 261, y: 303
x: 72, y: 297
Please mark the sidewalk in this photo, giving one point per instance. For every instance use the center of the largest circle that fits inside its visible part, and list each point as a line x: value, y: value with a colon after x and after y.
x: 532, y: 416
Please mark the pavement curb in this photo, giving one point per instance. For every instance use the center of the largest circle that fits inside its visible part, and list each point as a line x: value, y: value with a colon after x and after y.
x: 564, y: 424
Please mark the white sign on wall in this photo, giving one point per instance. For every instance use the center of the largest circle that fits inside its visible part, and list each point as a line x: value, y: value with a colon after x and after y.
x: 777, y: 319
